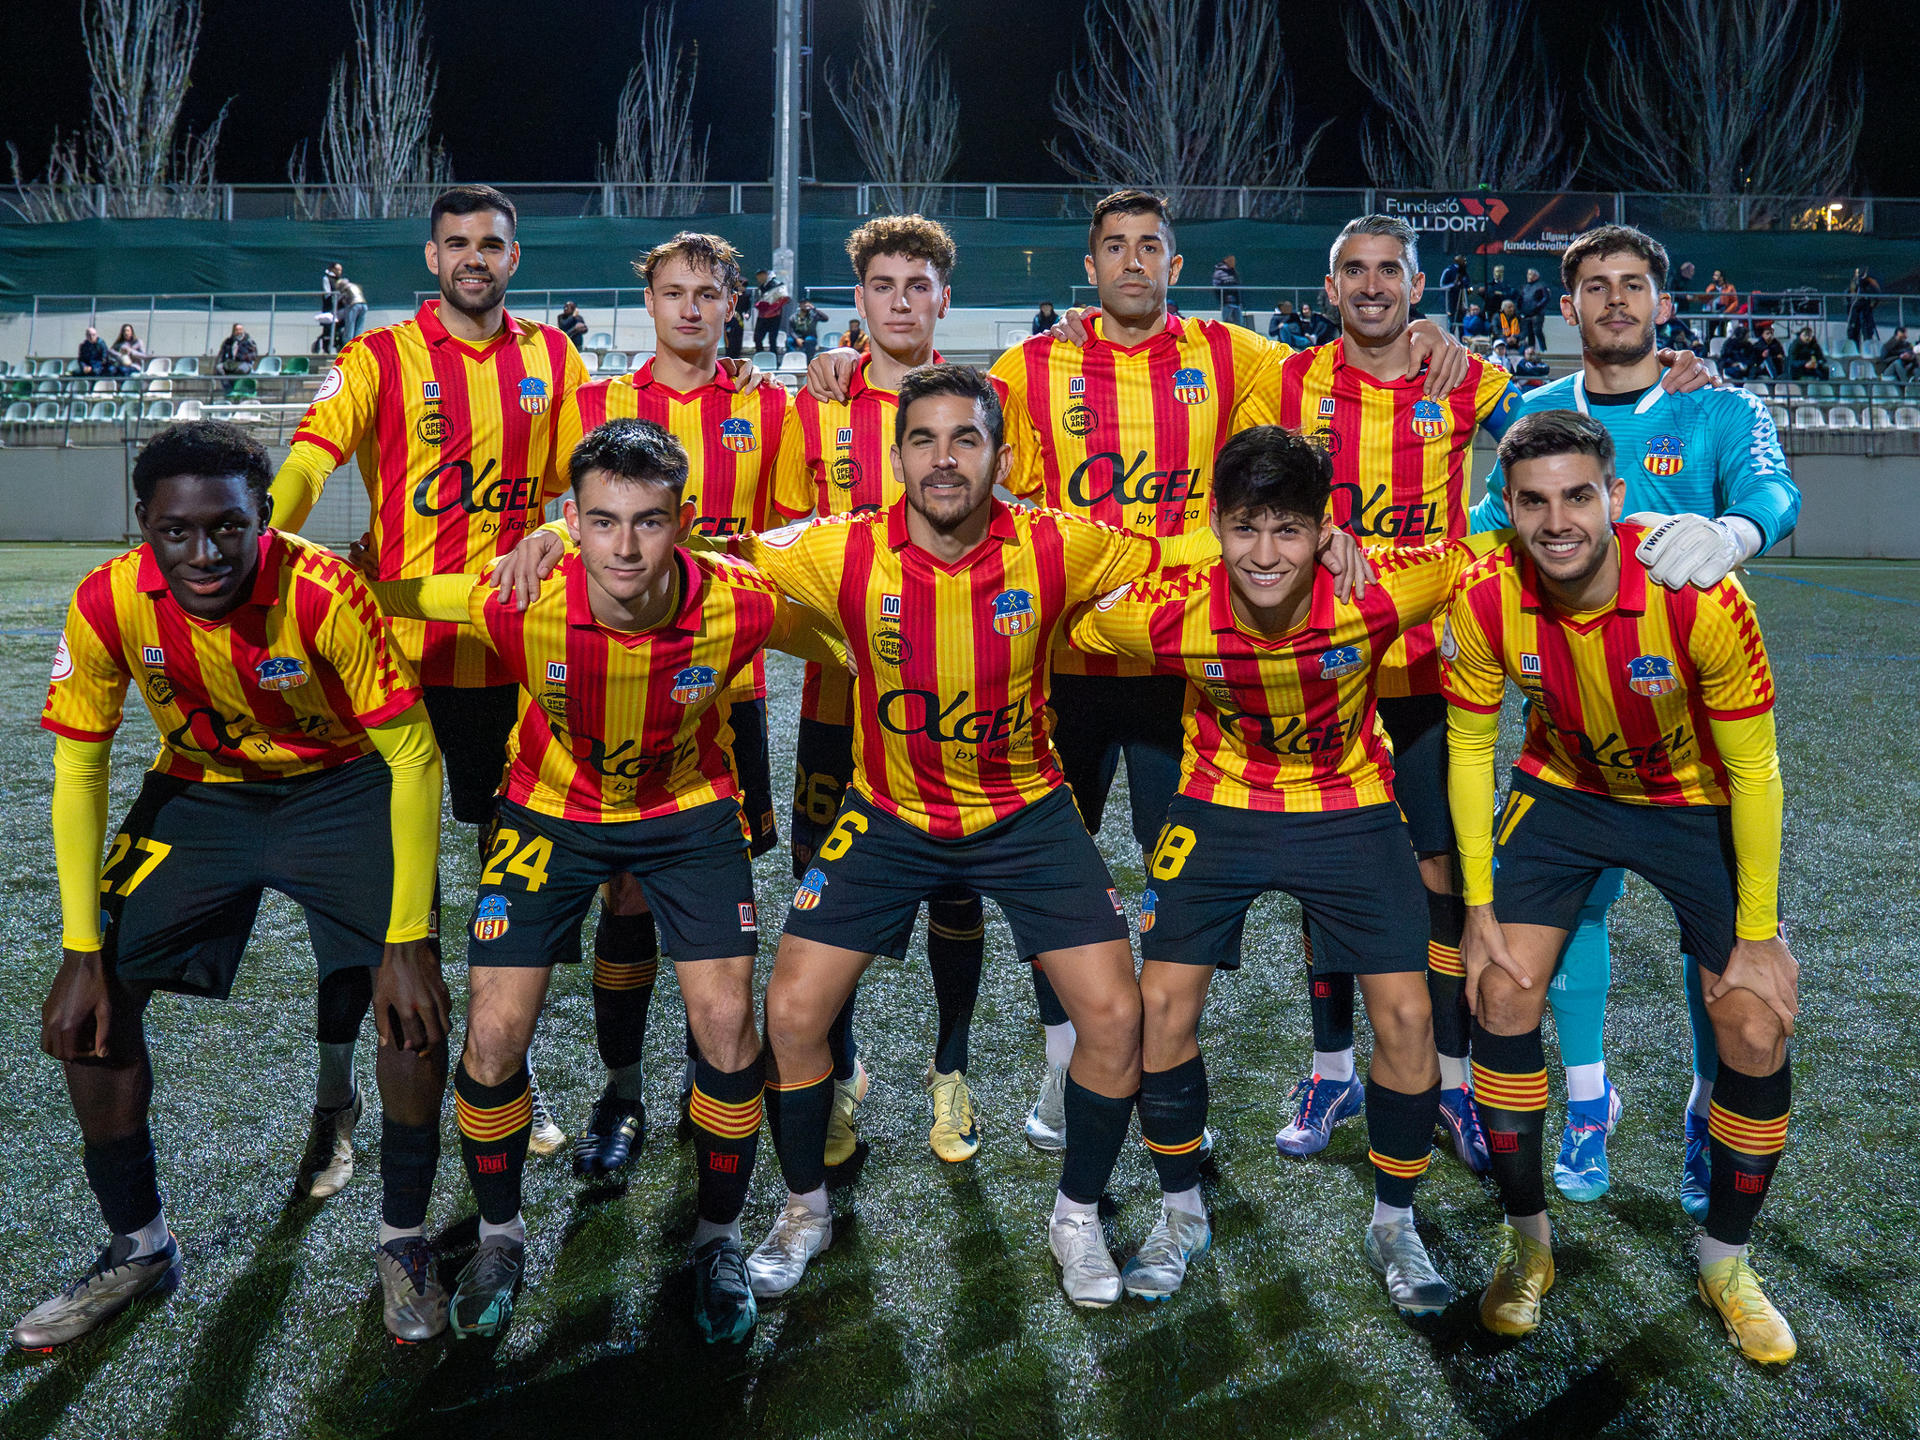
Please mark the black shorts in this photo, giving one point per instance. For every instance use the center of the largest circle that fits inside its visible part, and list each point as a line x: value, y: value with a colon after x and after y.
x: 1097, y: 718
x: 541, y: 875
x: 1038, y: 865
x: 472, y: 725
x: 1554, y: 843
x: 749, y: 718
x: 1352, y: 871
x: 822, y: 766
x: 184, y: 876
x: 1417, y: 726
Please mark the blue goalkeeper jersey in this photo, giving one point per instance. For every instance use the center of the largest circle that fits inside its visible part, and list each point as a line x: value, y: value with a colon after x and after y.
x: 1711, y: 452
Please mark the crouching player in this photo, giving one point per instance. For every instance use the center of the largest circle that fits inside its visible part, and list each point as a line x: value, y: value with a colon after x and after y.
x: 295, y: 756
x: 1650, y: 746
x: 1286, y: 784
x: 620, y: 763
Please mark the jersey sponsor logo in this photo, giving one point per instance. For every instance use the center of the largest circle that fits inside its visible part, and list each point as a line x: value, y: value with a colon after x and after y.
x: 1369, y: 515
x: 281, y: 672
x: 919, y: 712
x: 749, y: 917
x: 432, y: 428
x: 1651, y: 675
x: 533, y: 395
x: 1148, y: 903
x: 1076, y: 385
x: 811, y: 884
x: 1114, y: 896
x: 736, y: 434
x: 159, y: 689
x: 1654, y: 760
x: 475, y: 496
x: 891, y: 646
x: 1328, y: 440
x: 844, y: 472
x: 1529, y: 664
x: 1341, y: 660
x: 490, y: 920
x: 1013, y: 612
x: 1190, y: 386
x: 556, y: 672
x: 62, y: 661
x: 694, y: 684
x: 1665, y: 455
x: 429, y: 390
x: 1079, y: 419
x: 890, y: 606
x: 1429, y: 421
x: 334, y: 383
x: 1214, y: 670
x: 1326, y: 407
x: 1106, y: 475
x: 152, y: 655
x: 1298, y: 736
x: 843, y: 437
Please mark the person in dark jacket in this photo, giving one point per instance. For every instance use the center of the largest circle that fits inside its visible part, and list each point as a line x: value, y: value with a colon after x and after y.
x: 94, y: 358
x: 1806, y: 360
x: 1226, y: 284
x: 1535, y: 296
x: 1045, y: 319
x: 1739, y: 356
x: 1453, y: 289
x: 572, y: 324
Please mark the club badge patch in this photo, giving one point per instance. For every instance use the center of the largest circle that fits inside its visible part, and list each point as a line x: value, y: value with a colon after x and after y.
x: 1341, y: 660
x: 811, y: 884
x: 1429, y: 421
x: 281, y: 672
x: 1190, y: 386
x: 1013, y: 612
x: 736, y: 434
x: 1651, y: 675
x: 533, y: 395
x: 490, y: 918
x: 1665, y: 455
x: 694, y: 684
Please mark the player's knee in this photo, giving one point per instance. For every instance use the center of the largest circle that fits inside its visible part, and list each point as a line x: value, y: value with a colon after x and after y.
x: 1402, y: 1023
x: 1750, y: 1037
x: 794, y: 1018
x: 1506, y: 1009
x: 1110, y: 1022
x: 497, y: 1043
x: 724, y: 1028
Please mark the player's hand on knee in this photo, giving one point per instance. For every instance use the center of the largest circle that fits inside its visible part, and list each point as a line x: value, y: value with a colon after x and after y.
x: 1483, y: 947
x: 519, y: 572
x: 1446, y: 358
x: 78, y: 1012
x: 410, y: 1002
x: 1767, y: 969
x: 1343, y: 558
x: 830, y: 375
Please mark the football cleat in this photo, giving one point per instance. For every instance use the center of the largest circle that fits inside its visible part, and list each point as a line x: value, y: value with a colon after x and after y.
x: 413, y: 1301
x: 1733, y: 1292
x: 1696, y: 1168
x: 1460, y: 1118
x: 547, y: 1137
x: 111, y: 1284
x: 1046, y: 1125
x: 327, y: 1165
x: 1156, y: 1270
x: 723, y: 1305
x: 1087, y: 1273
x: 1522, y: 1274
x: 483, y: 1300
x: 798, y: 1235
x: 841, y: 1137
x: 1397, y: 1254
x: 955, y: 1135
x: 1322, y: 1104
x: 1580, y: 1172
x: 616, y: 1129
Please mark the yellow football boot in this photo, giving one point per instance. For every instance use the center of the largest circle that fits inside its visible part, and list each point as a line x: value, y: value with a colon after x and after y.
x: 847, y: 1095
x: 955, y: 1136
x: 1522, y: 1273
x: 1761, y: 1332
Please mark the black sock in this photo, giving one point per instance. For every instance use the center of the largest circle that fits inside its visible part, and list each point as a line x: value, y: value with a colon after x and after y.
x: 1173, y: 1121
x: 409, y: 1155
x: 495, y: 1121
x: 1510, y: 1089
x: 124, y: 1179
x: 840, y: 1042
x: 1446, y: 975
x: 1052, y: 1012
x: 1747, y: 1129
x: 626, y: 960
x: 1331, y: 1000
x: 956, y: 943
x: 1096, y: 1129
x: 726, y: 1113
x: 1399, y: 1139
x: 345, y: 997
x: 798, y: 1114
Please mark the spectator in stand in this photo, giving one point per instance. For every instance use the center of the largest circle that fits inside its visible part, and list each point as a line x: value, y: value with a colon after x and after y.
x: 735, y: 330
x: 1044, y: 320
x: 94, y: 358
x: 1507, y: 323
x: 1896, y: 360
x: 1226, y: 285
x: 238, y: 355
x: 1499, y: 355
x: 1676, y: 334
x: 1861, y: 329
x: 1532, y: 368
x: 350, y: 304
x: 769, y: 312
x: 1287, y: 329
x: 804, y: 327
x: 1453, y: 289
x: 1321, y: 326
x: 1739, y: 356
x: 572, y: 324
x: 1535, y: 296
x: 855, y: 338
x: 1495, y: 291
x: 1772, y: 355
x: 1681, y: 286
x: 1806, y: 359
x: 129, y: 351
x: 1721, y: 300
x: 1473, y: 323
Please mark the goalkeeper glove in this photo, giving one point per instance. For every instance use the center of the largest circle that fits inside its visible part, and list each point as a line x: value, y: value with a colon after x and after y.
x: 1682, y: 550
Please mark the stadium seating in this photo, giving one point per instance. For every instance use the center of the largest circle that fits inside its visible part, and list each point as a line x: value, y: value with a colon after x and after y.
x: 268, y: 365
x: 1809, y: 417
x: 187, y: 365
x: 297, y: 365
x: 19, y: 412
x: 1860, y: 369
x: 614, y: 362
x: 1906, y: 417
x: 1841, y: 417
x: 159, y: 365
x: 600, y: 340
x: 1880, y: 418
x: 1820, y: 390
x: 189, y: 410
x: 50, y: 368
x: 157, y: 410
x: 794, y: 362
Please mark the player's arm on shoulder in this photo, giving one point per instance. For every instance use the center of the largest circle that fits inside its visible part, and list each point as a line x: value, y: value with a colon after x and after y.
x: 1419, y: 579
x: 1445, y: 358
x: 518, y: 573
x: 801, y: 630
x: 411, y: 1005
x: 429, y: 597
x: 335, y: 423
x: 1474, y: 683
x: 1759, y: 491
x: 794, y: 493
x: 830, y: 374
x: 1114, y: 624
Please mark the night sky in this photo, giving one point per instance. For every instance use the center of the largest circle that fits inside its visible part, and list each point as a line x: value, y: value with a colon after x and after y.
x: 527, y: 91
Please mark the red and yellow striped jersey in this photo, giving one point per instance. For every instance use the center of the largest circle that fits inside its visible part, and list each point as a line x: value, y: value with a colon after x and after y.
x: 1282, y: 722
x: 950, y: 726
x: 287, y: 684
x: 617, y: 726
x: 456, y: 448
x: 1400, y: 465
x: 737, y: 447
x: 1127, y: 435
x: 1622, y: 696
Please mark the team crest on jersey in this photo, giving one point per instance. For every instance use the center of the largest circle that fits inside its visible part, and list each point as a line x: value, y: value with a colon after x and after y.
x: 1651, y: 675
x: 1341, y: 660
x: 843, y: 437
x: 1326, y: 407
x: 152, y: 655
x: 1013, y: 612
x: 1665, y: 455
x: 1429, y: 420
x: 281, y: 672
x: 490, y: 918
x: 62, y: 662
x: 736, y: 434
x: 1148, y: 902
x: 694, y: 684
x: 1190, y: 386
x: 1529, y: 664
x: 811, y: 884
x: 1076, y: 385
x: 533, y: 395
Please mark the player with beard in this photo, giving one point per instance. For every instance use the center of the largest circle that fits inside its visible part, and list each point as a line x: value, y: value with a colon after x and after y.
x: 1714, y: 453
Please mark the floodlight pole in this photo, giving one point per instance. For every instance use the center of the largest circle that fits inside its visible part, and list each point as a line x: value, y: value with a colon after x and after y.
x: 789, y: 101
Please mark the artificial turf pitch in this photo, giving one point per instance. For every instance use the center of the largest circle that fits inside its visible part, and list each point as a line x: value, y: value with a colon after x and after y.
x: 937, y: 1311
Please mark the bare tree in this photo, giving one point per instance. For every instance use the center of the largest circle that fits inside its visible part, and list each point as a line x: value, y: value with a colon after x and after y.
x: 1183, y: 98
x: 653, y: 145
x: 899, y: 103
x: 1702, y: 98
x: 1459, y: 103
x: 125, y: 162
x: 376, y: 159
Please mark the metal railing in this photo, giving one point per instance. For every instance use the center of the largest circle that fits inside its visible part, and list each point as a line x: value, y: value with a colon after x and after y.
x: 84, y: 410
x: 286, y: 311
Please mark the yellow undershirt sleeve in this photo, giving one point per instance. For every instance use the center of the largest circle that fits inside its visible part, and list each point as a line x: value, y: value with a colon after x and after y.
x: 430, y: 597
x: 406, y: 743
x: 1470, y: 796
x: 1749, y: 751
x: 1196, y: 547
x: 296, y: 488
x: 79, y: 836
